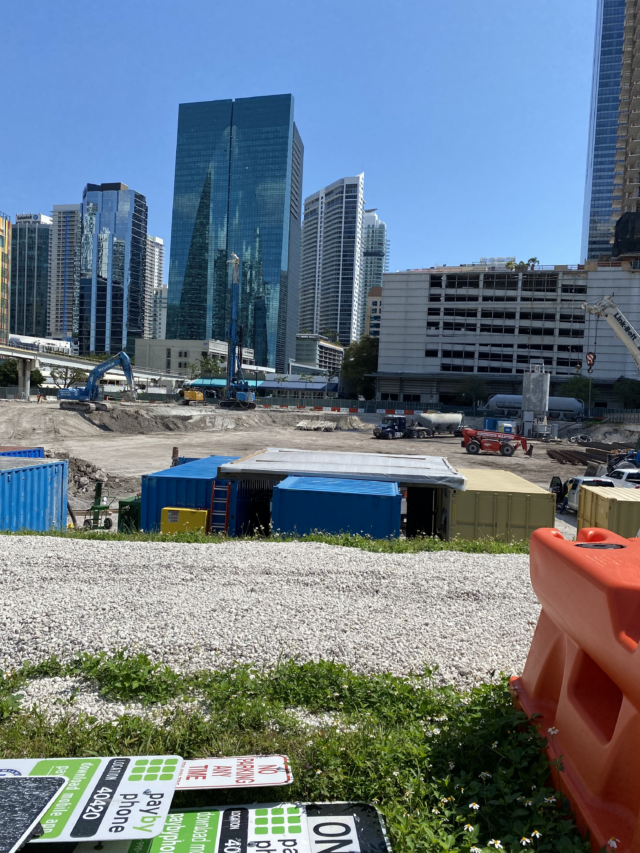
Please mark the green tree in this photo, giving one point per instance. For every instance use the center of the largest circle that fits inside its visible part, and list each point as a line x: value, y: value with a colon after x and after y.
x: 360, y: 359
x: 578, y: 387
x: 9, y: 374
x: 627, y: 391
x: 65, y: 377
x: 210, y: 367
x: 473, y: 390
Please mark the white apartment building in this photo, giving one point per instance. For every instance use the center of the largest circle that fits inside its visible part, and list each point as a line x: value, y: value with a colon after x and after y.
x: 375, y: 258
x: 331, y: 295
x: 64, y: 272
x: 443, y: 323
x: 153, y: 283
x: 318, y: 352
x: 178, y: 356
x: 159, y: 312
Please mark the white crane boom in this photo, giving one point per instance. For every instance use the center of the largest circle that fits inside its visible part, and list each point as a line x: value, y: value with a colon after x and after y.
x: 622, y: 328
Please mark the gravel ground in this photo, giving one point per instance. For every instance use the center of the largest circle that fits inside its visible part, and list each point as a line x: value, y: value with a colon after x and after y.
x: 196, y: 606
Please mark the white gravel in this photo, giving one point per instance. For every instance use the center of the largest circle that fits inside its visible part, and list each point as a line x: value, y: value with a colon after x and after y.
x: 196, y: 606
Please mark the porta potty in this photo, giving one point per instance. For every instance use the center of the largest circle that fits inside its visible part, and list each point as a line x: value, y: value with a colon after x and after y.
x: 33, y: 494
x: 303, y: 505
x: 193, y: 485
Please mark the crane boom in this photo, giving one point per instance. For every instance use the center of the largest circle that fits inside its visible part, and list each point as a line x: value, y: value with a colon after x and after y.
x: 622, y: 328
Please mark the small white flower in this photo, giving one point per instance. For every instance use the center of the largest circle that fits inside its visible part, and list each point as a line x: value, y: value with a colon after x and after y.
x: 435, y: 811
x: 475, y: 850
x: 309, y: 743
x: 549, y: 799
x: 494, y: 745
x: 524, y: 841
x: 536, y: 834
x: 485, y: 775
x: 552, y: 731
x: 613, y: 843
x: 318, y: 772
x: 495, y: 842
x: 468, y: 827
x: 451, y: 765
x: 474, y: 806
x: 528, y: 802
x: 395, y: 773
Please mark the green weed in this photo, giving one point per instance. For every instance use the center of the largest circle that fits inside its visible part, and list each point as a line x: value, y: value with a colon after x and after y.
x: 488, y: 545
x: 450, y: 770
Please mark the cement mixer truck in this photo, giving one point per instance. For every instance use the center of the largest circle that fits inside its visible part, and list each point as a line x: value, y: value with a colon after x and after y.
x: 421, y: 426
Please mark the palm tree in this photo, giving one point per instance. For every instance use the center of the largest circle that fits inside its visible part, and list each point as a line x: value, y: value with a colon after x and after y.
x: 510, y: 265
x: 532, y: 262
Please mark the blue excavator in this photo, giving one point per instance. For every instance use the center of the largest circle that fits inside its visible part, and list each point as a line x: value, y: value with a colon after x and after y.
x: 87, y: 399
x: 237, y: 393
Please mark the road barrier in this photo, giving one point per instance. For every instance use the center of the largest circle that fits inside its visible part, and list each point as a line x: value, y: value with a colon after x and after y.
x: 582, y: 677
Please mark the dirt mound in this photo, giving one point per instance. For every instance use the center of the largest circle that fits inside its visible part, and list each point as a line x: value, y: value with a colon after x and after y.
x: 84, y: 475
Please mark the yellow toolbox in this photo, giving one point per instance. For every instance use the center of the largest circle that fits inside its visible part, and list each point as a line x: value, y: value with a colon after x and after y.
x: 178, y: 519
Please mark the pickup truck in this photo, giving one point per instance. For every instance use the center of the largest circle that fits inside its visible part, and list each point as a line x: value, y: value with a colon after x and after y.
x: 626, y: 478
x: 573, y: 485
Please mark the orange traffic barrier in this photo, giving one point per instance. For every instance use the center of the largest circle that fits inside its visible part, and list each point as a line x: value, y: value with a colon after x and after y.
x: 582, y: 677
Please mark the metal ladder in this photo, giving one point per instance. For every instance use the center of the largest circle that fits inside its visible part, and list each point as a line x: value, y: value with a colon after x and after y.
x: 219, y: 507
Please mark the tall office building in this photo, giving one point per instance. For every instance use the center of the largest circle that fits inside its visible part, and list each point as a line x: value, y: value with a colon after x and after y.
x: 159, y: 312
x: 112, y: 268
x: 30, y: 248
x: 64, y: 273
x: 612, y: 157
x: 153, y: 281
x: 331, y: 299
x: 238, y: 188
x: 5, y: 275
x: 375, y: 257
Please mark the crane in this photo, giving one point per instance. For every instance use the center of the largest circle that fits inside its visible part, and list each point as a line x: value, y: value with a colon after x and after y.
x: 238, y: 395
x: 86, y: 399
x: 622, y: 328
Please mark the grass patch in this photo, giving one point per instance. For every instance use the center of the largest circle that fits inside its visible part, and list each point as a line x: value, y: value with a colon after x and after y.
x: 424, y: 754
x: 488, y: 545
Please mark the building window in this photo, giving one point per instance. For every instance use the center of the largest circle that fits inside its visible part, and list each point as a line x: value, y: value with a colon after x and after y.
x: 431, y: 353
x: 411, y: 398
x: 387, y: 396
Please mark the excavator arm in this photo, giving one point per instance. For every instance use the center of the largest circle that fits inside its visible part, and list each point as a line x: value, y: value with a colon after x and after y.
x: 120, y: 360
x: 622, y: 328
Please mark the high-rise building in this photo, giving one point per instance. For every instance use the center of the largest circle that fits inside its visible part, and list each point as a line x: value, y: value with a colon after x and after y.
x: 238, y: 188
x: 30, y: 248
x: 612, y: 157
x: 5, y: 275
x: 331, y: 299
x: 112, y: 268
x: 153, y: 281
x: 375, y: 257
x: 159, y: 312
x: 64, y: 273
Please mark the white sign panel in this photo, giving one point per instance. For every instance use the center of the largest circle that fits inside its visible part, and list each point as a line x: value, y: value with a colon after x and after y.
x: 106, y: 798
x: 244, y: 771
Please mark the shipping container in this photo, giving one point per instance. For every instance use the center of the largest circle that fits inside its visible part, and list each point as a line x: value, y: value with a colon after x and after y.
x: 617, y: 510
x: 305, y: 504
x: 28, y: 452
x: 33, y: 495
x: 192, y: 486
x: 495, y: 503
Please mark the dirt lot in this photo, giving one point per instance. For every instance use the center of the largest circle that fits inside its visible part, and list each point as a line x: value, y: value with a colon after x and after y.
x: 132, y: 440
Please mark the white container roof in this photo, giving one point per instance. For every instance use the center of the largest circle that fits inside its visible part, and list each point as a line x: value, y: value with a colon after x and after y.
x: 280, y: 462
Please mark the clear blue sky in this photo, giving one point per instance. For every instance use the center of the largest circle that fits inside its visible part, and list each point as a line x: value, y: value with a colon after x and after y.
x: 469, y: 119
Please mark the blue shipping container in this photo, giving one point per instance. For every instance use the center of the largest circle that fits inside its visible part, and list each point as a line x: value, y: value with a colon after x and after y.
x: 28, y: 452
x: 304, y: 504
x: 33, y: 496
x: 190, y: 486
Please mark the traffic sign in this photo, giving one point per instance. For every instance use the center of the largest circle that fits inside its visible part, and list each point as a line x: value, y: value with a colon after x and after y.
x: 244, y: 771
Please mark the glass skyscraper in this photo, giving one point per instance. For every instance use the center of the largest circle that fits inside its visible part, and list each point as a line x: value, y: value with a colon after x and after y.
x: 238, y: 188
x: 606, y: 155
x: 112, y: 268
x: 30, y: 249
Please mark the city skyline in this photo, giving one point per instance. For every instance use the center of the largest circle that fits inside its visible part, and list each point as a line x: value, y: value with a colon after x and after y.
x: 400, y: 132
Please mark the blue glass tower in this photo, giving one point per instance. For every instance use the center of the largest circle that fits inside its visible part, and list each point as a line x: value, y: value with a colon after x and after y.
x: 238, y: 188
x: 29, y: 275
x: 112, y: 268
x: 602, y: 204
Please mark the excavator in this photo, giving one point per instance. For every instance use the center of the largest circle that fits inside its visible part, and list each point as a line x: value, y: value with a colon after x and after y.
x: 85, y: 399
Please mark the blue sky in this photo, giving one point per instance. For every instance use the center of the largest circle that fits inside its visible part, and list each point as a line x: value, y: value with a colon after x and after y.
x: 469, y: 119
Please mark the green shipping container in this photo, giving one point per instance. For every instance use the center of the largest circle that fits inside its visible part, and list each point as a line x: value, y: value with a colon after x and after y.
x: 129, y: 514
x: 497, y: 503
x: 617, y: 510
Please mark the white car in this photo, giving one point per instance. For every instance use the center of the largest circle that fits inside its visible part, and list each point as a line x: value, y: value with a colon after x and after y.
x: 626, y: 478
x: 572, y: 489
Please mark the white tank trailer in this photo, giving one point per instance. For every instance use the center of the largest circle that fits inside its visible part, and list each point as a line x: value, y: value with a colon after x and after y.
x: 510, y: 405
x: 441, y: 421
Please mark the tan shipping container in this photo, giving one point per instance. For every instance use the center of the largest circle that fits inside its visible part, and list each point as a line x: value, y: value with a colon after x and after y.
x: 497, y: 503
x: 617, y: 510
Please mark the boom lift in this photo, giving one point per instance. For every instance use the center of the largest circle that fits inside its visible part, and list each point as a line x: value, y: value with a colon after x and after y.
x: 504, y: 443
x: 86, y: 399
x: 238, y: 395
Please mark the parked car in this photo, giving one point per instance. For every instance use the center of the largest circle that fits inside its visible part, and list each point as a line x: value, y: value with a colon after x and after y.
x: 626, y: 478
x: 571, y: 488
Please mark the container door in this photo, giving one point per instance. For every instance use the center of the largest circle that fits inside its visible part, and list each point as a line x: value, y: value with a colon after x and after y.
x: 422, y: 504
